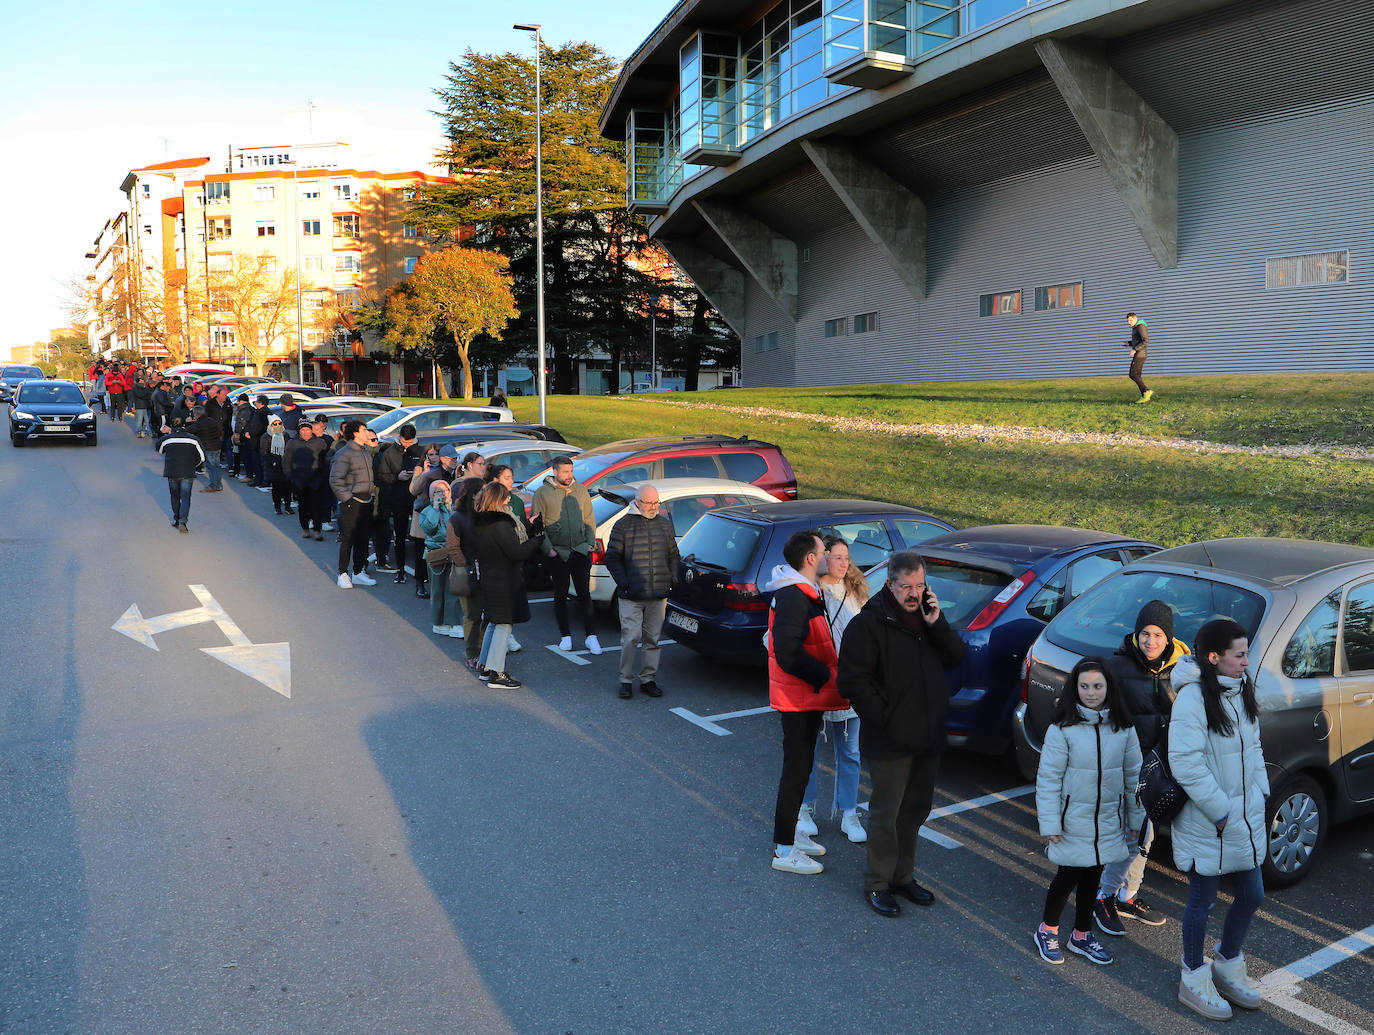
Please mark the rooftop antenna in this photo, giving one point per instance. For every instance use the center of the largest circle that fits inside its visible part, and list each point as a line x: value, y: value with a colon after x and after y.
x: 166, y: 144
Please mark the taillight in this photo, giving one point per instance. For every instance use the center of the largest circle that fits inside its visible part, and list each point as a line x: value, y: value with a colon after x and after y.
x: 1025, y: 680
x: 999, y: 603
x: 743, y: 596
x: 599, y: 553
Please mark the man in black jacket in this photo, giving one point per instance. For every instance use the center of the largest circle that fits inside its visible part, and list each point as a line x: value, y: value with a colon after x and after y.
x: 254, y: 429
x: 642, y: 559
x: 393, y: 467
x: 303, y: 461
x: 181, y: 455
x: 210, y: 432
x: 892, y: 658
x: 1139, y: 346
x: 143, y: 400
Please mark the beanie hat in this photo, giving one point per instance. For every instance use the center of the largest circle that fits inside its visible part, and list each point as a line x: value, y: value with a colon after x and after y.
x: 1158, y: 614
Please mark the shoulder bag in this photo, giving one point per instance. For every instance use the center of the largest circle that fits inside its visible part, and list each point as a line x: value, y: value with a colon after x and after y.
x: 1158, y: 792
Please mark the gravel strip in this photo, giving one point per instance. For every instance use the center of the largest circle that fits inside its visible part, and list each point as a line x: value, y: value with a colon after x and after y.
x: 1001, y: 433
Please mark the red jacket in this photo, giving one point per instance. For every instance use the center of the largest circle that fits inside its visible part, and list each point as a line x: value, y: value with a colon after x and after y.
x: 801, y: 652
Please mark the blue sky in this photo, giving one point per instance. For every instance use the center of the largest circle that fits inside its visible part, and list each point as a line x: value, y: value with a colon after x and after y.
x: 90, y: 90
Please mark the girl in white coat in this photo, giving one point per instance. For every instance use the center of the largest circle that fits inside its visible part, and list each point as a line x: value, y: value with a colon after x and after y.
x: 1085, y: 798
x: 1215, y: 755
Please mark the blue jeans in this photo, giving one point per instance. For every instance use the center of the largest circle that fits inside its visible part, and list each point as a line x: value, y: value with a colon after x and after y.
x: 1123, y: 877
x: 1248, y: 888
x: 143, y: 427
x: 845, y: 738
x: 212, y: 471
x: 180, y: 491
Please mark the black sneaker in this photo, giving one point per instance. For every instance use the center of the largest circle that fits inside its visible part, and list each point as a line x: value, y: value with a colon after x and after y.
x: 1141, y: 911
x: 650, y: 689
x: 501, y: 681
x: 627, y: 690
x: 1104, y: 915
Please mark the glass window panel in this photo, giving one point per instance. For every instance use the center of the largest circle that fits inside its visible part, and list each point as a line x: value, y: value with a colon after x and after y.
x: 809, y: 93
x: 1312, y: 650
x: 1359, y: 629
x: 985, y: 12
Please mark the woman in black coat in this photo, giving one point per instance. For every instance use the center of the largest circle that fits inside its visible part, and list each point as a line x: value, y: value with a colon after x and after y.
x: 503, y: 546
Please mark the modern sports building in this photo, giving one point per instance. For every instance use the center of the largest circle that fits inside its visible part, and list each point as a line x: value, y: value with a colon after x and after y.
x: 892, y: 190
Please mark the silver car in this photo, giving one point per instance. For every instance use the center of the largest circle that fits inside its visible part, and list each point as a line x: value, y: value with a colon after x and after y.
x: 1309, y: 610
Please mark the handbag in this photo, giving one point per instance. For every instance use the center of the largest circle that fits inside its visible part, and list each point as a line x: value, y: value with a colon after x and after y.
x: 437, y: 556
x: 459, y: 581
x: 1158, y: 792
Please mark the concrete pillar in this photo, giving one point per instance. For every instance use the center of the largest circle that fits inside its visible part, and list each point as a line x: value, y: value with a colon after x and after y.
x: 1138, y: 148
x: 893, y: 218
x: 765, y: 254
x: 721, y: 283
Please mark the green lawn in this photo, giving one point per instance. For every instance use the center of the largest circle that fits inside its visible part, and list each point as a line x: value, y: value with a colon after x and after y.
x: 1166, y: 495
x: 1278, y: 409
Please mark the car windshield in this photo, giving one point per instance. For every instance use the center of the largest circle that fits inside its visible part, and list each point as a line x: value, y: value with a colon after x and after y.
x: 384, y: 422
x: 1097, y: 622
x: 720, y: 543
x: 586, y: 468
x: 19, y: 373
x: 43, y: 393
x: 963, y: 589
x: 605, y: 507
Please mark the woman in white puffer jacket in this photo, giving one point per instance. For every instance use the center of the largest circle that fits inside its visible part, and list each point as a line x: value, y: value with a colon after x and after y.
x: 1084, y: 798
x: 1215, y: 755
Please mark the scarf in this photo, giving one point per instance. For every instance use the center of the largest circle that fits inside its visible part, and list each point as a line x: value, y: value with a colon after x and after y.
x: 279, y: 444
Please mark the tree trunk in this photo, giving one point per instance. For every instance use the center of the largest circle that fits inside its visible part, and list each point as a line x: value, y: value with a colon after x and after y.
x: 692, y: 359
x: 467, y: 369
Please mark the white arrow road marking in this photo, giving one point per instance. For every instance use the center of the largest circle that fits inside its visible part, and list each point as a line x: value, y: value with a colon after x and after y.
x: 268, y: 663
x: 1280, y: 987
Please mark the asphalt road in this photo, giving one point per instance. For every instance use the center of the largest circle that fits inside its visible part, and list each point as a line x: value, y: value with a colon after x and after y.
x: 396, y: 848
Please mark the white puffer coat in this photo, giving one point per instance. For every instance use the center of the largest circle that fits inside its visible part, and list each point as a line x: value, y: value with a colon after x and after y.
x: 1224, y: 777
x: 1085, y: 790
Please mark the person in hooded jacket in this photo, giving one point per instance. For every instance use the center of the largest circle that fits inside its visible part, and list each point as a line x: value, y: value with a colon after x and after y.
x: 565, y: 507
x: 1141, y: 667
x: 892, y: 662
x: 303, y: 462
x: 1085, y: 800
x: 503, y: 546
x: 162, y: 406
x: 801, y: 689
x: 445, y: 616
x: 1215, y: 755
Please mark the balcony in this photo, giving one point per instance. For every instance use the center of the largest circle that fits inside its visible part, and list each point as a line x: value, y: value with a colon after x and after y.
x: 867, y: 42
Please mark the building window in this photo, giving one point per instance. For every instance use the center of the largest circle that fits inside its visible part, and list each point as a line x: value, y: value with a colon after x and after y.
x: 865, y: 323
x: 267, y: 229
x: 766, y: 342
x: 410, y: 265
x: 265, y: 192
x: 269, y: 263
x: 1319, y: 268
x: 147, y: 190
x: 220, y: 229
x: 222, y: 337
x: 1059, y: 296
x: 147, y: 228
x: 836, y: 328
x: 310, y: 228
x: 216, y: 193
x: 347, y: 262
x: 221, y: 263
x: 312, y: 263
x: 343, y: 192
x: 346, y: 226
x: 408, y: 194
x: 410, y: 230
x: 1001, y: 304
x: 310, y: 190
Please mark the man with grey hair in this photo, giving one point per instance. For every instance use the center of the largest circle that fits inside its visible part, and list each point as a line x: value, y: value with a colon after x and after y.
x: 892, y: 661
x: 642, y: 559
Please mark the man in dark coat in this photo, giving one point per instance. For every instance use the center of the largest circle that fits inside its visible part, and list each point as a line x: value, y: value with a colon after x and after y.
x: 209, y: 430
x: 143, y: 401
x: 892, y: 660
x: 303, y: 462
x: 162, y: 406
x: 181, y: 455
x: 1139, y: 346
x: 642, y: 559
x: 254, y: 428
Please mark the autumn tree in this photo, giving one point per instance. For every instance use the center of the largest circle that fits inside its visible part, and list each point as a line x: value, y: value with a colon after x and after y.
x: 453, y: 295
x: 596, y: 285
x: 259, y: 300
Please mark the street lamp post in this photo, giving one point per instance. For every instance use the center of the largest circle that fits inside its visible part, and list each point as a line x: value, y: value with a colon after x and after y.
x: 538, y: 210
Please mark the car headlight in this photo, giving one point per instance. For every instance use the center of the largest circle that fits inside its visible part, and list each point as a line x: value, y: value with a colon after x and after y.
x: 21, y: 415
x: 82, y: 417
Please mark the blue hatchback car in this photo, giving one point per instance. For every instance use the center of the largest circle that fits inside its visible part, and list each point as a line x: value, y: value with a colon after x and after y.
x: 718, y: 609
x: 999, y: 586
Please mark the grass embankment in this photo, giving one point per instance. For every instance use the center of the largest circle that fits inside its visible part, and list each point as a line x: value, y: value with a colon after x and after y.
x: 1167, y: 495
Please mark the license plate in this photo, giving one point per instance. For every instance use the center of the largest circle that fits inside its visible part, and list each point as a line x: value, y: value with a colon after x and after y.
x: 682, y: 621
x: 56, y: 427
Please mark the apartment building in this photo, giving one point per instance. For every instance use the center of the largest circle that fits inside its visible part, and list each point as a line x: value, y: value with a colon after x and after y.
x: 111, y: 323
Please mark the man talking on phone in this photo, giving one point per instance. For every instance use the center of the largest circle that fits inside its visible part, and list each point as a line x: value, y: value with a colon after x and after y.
x: 892, y: 661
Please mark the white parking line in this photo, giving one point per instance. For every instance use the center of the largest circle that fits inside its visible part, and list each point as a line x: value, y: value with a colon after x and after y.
x: 739, y: 715
x: 978, y: 803
x: 697, y: 720
x: 578, y: 657
x: 1281, y: 987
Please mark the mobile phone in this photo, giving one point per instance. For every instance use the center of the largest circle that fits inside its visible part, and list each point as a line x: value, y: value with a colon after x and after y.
x: 929, y: 602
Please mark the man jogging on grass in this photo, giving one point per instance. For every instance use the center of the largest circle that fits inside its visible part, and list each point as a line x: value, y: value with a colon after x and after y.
x: 1139, y: 345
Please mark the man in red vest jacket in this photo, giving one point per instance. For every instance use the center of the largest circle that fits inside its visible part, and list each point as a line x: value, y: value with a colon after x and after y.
x: 801, y: 687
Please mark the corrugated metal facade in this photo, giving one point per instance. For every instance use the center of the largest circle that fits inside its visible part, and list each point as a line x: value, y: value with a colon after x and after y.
x: 1287, y: 168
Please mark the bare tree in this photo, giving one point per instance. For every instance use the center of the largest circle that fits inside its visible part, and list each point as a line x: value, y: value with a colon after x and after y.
x: 259, y: 299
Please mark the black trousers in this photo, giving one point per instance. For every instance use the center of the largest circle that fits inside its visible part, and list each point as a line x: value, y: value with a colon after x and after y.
x: 400, y: 512
x: 1082, y: 879
x: 799, y: 732
x: 577, y: 569
x: 1138, y: 369
x: 281, y: 495
x: 903, y: 789
x: 355, y: 526
x: 313, y: 505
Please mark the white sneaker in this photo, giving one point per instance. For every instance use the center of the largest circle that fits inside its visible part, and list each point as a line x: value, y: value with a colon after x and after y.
x: 364, y: 579
x: 345, y: 582
x: 806, y: 822
x: 328, y: 526
x: 512, y: 645
x: 372, y: 558
x: 795, y: 861
x: 264, y: 488
x: 1232, y: 982
x: 565, y: 643
x: 853, y: 829
x: 803, y: 843
x: 442, y: 630
x: 593, y: 645
x: 1197, y: 992
x: 456, y: 631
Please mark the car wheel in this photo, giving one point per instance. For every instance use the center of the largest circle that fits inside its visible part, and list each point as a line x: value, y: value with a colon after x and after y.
x: 1297, y: 815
